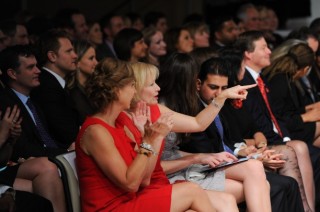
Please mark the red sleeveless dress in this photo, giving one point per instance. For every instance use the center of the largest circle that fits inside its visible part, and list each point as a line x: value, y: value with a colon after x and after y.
x: 98, y: 193
x: 158, y: 177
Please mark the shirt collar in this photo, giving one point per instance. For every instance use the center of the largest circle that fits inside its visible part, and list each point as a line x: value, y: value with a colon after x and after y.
x: 21, y: 96
x: 61, y: 81
x: 253, y: 73
x: 203, y: 103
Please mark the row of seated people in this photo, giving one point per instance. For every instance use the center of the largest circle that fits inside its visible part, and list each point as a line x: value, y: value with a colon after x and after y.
x: 53, y: 115
x: 159, y: 39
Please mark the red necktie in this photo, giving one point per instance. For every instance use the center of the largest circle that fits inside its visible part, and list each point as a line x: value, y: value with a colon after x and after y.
x: 265, y: 98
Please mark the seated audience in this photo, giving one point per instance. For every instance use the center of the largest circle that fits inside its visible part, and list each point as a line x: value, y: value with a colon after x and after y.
x: 111, y: 25
x: 178, y: 40
x: 268, y: 24
x: 156, y: 45
x: 57, y: 58
x: 309, y: 84
x: 74, y: 22
x: 256, y: 57
x: 35, y: 175
x: 136, y: 181
x: 199, y: 33
x: 14, y: 199
x: 14, y: 33
x: 223, y: 32
x: 286, y: 102
x: 242, y: 126
x: 129, y: 45
x: 94, y: 34
x: 21, y: 76
x: 249, y: 17
x: 178, y: 81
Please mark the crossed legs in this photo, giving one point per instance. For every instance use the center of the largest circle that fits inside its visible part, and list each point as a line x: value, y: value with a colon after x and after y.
x: 248, y: 174
x: 40, y: 176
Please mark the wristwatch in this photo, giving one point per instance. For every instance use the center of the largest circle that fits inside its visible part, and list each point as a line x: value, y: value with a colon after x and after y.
x: 148, y: 147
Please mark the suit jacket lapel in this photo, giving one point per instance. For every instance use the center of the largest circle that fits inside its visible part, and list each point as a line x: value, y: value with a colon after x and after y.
x: 27, y: 120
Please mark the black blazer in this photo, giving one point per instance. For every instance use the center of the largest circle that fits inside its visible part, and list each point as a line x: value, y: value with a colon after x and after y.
x: 80, y: 102
x: 29, y: 143
x: 209, y: 141
x: 288, y: 105
x: 255, y: 105
x: 240, y: 121
x: 57, y: 106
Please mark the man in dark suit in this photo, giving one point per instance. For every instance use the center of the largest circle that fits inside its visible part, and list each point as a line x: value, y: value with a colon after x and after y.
x: 39, y: 175
x: 57, y: 58
x: 256, y: 57
x: 284, y: 190
x: 20, y: 80
x: 223, y: 32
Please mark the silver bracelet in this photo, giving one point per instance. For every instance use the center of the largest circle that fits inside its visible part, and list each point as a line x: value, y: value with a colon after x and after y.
x: 148, y: 147
x: 216, y: 104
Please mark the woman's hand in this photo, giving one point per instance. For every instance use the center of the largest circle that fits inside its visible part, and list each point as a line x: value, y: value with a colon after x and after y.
x: 160, y: 128
x: 247, y: 151
x: 271, y: 160
x: 214, y: 159
x: 141, y: 116
x: 311, y: 115
x: 236, y: 92
x: 10, y: 124
x: 313, y: 106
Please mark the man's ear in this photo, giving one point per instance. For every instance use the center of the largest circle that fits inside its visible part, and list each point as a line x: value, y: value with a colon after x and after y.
x: 51, y: 56
x: 247, y: 54
x: 306, y: 69
x: 198, y: 84
x: 12, y: 73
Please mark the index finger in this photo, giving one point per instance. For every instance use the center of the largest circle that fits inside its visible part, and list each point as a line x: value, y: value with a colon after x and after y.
x: 231, y: 156
x: 245, y: 87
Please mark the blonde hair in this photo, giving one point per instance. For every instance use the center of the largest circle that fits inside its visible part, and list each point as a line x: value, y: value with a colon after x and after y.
x: 142, y: 71
x: 284, y: 48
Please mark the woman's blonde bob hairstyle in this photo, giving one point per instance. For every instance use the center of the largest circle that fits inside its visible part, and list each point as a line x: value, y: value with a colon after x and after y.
x: 142, y: 72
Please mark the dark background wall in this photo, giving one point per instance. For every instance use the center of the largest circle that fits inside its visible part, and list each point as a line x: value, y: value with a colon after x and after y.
x: 175, y: 10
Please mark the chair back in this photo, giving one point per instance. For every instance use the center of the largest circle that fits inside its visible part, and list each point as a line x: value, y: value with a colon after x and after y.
x: 66, y: 164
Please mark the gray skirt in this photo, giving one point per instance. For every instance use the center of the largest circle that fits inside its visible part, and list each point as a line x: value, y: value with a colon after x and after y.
x: 213, y: 180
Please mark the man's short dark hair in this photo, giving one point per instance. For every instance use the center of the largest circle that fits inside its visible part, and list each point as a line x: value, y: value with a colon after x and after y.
x: 9, y: 59
x: 214, y: 66
x: 49, y: 41
x: 245, y: 41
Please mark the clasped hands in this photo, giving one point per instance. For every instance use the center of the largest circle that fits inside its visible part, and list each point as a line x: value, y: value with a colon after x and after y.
x: 268, y: 157
x: 10, y: 124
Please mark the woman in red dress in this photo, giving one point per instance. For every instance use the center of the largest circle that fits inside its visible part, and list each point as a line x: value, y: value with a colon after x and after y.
x: 114, y: 173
